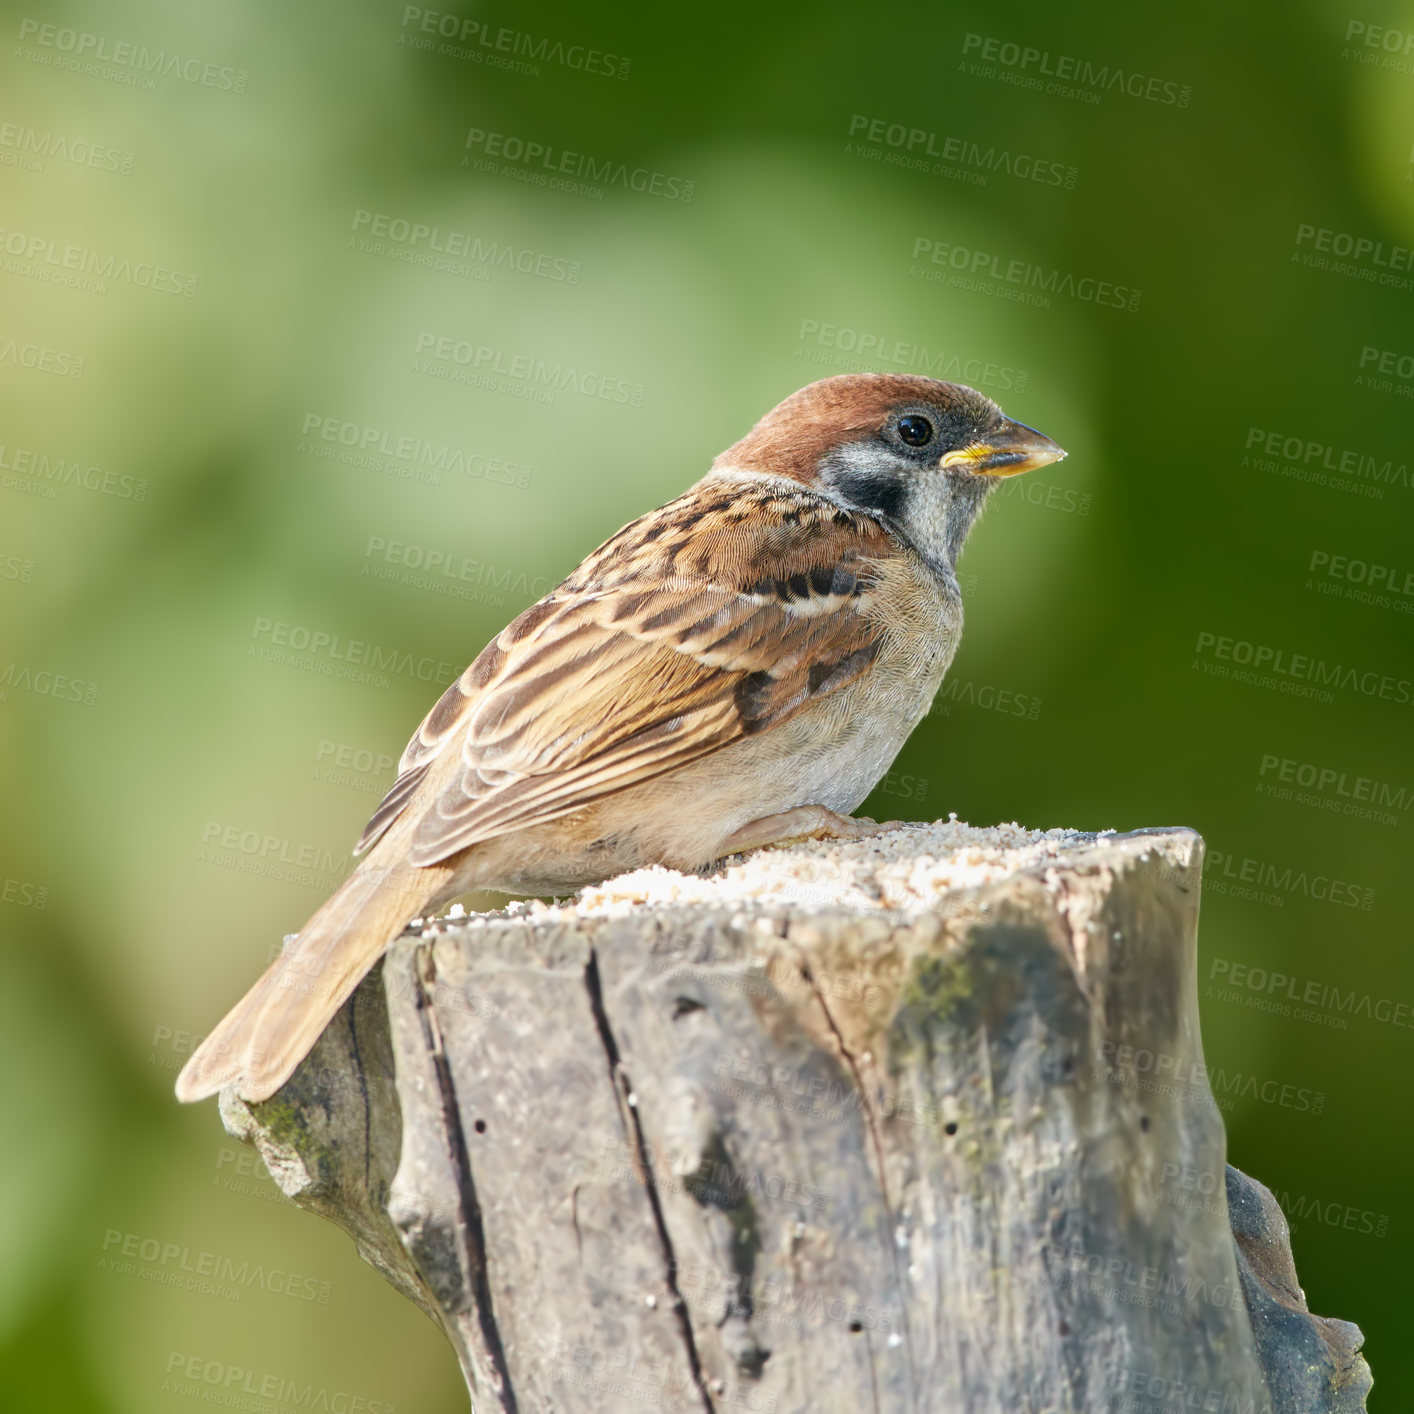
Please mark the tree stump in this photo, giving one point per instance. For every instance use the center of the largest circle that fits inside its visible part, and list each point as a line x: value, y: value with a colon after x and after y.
x: 913, y: 1123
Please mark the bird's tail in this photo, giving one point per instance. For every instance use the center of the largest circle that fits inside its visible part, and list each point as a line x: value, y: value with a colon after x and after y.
x: 272, y: 1028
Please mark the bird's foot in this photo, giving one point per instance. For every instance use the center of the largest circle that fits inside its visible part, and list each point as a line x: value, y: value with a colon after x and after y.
x: 805, y: 822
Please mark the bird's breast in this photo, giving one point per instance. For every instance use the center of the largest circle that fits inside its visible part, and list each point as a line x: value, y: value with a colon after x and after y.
x: 840, y: 748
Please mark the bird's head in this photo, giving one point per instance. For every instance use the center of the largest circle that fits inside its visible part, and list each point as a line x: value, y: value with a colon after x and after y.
x: 916, y: 454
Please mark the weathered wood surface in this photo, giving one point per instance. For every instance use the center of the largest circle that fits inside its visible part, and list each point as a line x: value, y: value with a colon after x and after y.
x: 881, y: 1126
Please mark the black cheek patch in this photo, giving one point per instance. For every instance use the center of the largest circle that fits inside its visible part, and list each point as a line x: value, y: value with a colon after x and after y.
x: 875, y: 492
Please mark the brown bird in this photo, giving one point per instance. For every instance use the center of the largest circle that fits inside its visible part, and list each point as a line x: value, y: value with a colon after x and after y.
x: 734, y: 669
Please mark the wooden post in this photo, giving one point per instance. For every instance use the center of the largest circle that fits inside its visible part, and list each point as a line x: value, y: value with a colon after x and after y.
x: 914, y: 1123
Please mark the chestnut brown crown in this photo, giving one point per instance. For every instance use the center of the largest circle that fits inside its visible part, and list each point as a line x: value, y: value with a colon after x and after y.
x: 957, y: 429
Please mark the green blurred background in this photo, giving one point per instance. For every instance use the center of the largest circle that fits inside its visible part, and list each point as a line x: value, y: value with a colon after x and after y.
x: 154, y: 725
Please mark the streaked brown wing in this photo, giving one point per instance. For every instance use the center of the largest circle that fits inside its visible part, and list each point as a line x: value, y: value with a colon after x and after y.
x: 705, y: 621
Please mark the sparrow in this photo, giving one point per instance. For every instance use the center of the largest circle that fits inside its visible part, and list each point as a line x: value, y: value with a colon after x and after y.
x: 735, y: 669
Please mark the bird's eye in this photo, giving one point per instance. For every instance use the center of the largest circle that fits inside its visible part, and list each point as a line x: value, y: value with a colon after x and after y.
x: 915, y: 431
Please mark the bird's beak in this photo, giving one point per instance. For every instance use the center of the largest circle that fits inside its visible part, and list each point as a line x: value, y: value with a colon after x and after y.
x: 1013, y: 448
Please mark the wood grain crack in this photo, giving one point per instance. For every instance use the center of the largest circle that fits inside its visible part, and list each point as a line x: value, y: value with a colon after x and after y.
x: 620, y: 1079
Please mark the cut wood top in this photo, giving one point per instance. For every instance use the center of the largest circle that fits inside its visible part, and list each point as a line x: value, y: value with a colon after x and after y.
x: 900, y: 872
